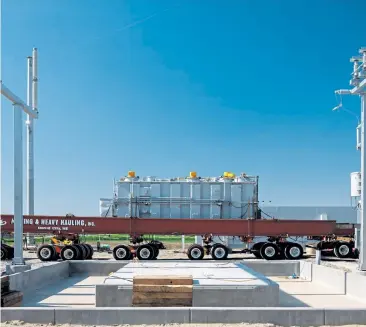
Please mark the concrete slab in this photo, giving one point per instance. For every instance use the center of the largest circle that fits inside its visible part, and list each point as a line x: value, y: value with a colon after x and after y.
x: 303, y: 293
x: 214, y: 284
x: 213, y: 274
x: 337, y: 317
x: 132, y: 316
x: 276, y: 316
x: 29, y: 315
x: 76, y: 291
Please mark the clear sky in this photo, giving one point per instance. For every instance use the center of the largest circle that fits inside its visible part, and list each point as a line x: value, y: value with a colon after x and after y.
x: 165, y: 87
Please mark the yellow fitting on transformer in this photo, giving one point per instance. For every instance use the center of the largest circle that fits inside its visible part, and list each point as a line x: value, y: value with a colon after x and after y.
x: 226, y: 173
x: 192, y: 174
x: 131, y: 173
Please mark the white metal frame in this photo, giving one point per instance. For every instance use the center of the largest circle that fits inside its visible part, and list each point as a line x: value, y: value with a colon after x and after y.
x: 30, y: 108
x: 358, y: 82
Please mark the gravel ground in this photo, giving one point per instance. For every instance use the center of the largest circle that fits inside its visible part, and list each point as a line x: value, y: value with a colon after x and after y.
x: 20, y: 323
x: 30, y: 258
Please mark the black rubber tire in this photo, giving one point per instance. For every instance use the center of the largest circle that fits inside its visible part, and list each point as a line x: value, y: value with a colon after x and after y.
x: 343, y: 250
x: 219, y: 249
x: 70, y: 252
x: 264, y: 251
x: 4, y: 253
x: 145, y: 252
x: 46, y: 249
x: 82, y: 251
x: 256, y: 254
x: 156, y: 251
x: 122, y: 249
x: 87, y: 251
x: 91, y: 251
x: 196, y: 252
x: 293, y: 251
x: 56, y: 256
x: 257, y: 246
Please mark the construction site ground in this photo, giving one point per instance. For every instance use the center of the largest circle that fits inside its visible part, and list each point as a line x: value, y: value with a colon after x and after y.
x: 78, y: 291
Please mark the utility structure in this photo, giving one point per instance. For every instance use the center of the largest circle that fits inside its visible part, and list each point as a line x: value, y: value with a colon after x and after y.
x: 358, y: 81
x: 30, y: 108
x: 32, y: 101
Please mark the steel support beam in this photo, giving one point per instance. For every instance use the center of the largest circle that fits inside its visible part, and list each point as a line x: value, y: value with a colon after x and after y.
x: 18, y: 186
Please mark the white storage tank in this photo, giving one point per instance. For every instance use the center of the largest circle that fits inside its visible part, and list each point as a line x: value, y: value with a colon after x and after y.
x: 355, y: 184
x: 193, y: 197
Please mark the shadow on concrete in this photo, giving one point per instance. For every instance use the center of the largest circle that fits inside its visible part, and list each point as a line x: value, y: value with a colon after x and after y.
x: 289, y: 300
x: 33, y: 298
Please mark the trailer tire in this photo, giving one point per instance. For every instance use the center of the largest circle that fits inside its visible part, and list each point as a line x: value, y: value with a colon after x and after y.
x: 196, y: 252
x: 219, y: 252
x: 156, y: 251
x: 70, y: 252
x: 145, y: 252
x: 122, y: 252
x: 257, y: 246
x: 82, y: 251
x: 46, y: 253
x: 91, y: 251
x: 342, y: 250
x: 269, y: 251
x: 4, y: 253
x: 87, y: 250
x: 293, y: 251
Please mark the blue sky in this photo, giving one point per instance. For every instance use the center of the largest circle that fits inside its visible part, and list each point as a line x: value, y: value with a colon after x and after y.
x: 167, y: 87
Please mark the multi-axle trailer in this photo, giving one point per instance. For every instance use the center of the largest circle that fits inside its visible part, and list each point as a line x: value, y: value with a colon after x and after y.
x: 265, y: 238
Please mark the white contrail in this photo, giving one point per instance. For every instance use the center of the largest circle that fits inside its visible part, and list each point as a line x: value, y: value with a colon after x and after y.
x: 140, y: 21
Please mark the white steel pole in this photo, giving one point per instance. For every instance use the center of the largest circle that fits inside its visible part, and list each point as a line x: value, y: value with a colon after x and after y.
x: 362, y: 258
x: 30, y: 163
x: 30, y: 160
x: 18, y: 186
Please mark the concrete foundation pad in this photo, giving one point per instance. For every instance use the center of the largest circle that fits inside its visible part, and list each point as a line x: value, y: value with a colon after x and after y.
x: 277, y: 316
x: 214, y: 284
x: 29, y: 315
x: 334, y: 317
x: 133, y: 316
x: 146, y: 316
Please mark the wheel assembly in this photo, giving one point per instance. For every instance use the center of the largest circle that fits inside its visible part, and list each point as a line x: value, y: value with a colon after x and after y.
x: 70, y: 252
x: 269, y: 251
x: 145, y: 252
x: 4, y: 253
x: 293, y: 251
x: 82, y: 252
x: 46, y: 253
x: 342, y: 250
x: 122, y: 252
x: 156, y: 251
x: 255, y: 249
x: 196, y: 252
x: 89, y: 250
x: 219, y: 252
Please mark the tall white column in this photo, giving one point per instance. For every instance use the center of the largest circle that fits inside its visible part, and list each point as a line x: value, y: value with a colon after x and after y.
x: 362, y: 259
x: 18, y: 186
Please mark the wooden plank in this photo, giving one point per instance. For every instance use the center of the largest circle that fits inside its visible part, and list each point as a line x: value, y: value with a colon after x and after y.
x: 163, y: 302
x: 141, y: 296
x: 162, y: 280
x: 163, y: 288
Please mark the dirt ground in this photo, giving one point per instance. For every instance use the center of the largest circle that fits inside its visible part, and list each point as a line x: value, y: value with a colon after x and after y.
x: 20, y: 323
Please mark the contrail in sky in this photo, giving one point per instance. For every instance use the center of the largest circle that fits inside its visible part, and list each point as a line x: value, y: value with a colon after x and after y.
x: 137, y: 22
